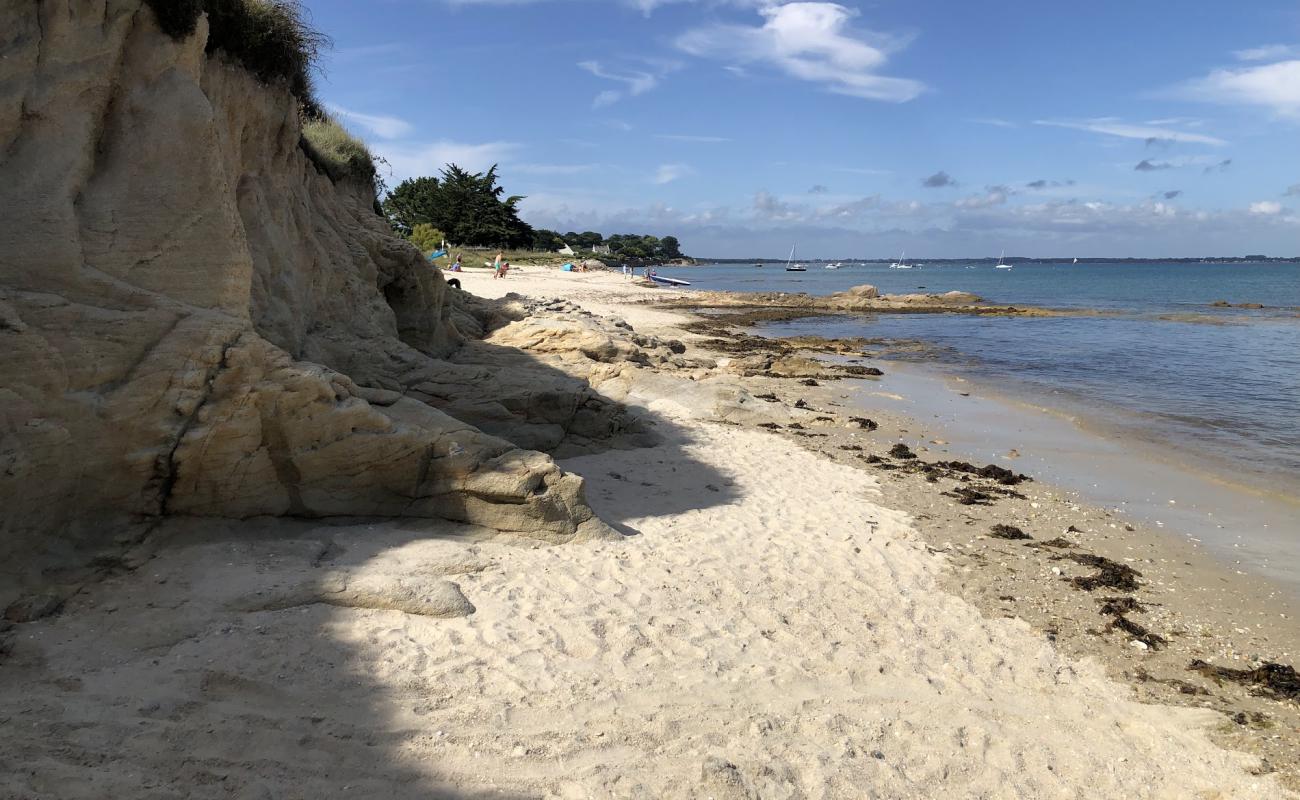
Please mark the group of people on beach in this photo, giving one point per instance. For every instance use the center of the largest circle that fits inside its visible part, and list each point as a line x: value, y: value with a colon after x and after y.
x: 500, y: 266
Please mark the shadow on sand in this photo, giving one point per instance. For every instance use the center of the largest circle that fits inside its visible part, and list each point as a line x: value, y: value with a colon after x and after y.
x: 249, y: 658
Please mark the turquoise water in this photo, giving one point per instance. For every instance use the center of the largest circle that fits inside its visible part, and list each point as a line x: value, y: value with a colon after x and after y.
x: 1221, y: 385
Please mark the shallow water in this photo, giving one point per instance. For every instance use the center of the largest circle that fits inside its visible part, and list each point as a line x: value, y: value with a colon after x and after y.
x: 1246, y: 529
x: 1218, y: 385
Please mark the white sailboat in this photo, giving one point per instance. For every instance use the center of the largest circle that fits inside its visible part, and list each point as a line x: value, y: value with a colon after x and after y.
x: 1000, y: 265
x: 901, y: 263
x: 792, y: 267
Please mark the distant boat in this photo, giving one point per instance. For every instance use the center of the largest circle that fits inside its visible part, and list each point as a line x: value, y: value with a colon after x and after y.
x: 1076, y: 261
x: 1000, y: 265
x: 759, y: 266
x: 901, y: 263
x: 792, y: 267
x: 669, y: 281
x: 836, y: 265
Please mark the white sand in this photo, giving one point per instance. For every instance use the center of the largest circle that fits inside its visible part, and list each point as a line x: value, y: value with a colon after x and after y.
x: 771, y: 632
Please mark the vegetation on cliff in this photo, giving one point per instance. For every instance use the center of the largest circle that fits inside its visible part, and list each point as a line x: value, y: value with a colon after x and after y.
x: 271, y: 38
x: 274, y: 40
x: 338, y: 153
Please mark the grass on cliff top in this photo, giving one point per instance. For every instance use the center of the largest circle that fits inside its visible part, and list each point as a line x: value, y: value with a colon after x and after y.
x: 271, y: 38
x: 337, y: 152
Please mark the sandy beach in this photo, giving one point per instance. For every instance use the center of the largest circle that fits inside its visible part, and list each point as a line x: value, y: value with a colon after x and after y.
x: 781, y: 618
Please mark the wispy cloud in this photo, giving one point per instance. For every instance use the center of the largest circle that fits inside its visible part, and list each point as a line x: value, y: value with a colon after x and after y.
x: 667, y: 173
x: 809, y: 41
x: 635, y: 82
x: 380, y: 125
x: 1266, y: 208
x: 682, y: 137
x: 997, y: 123
x: 1275, y: 87
x: 1110, y: 126
x: 993, y: 196
x: 1221, y: 166
x: 938, y: 180
x: 1292, y: 191
x: 819, y: 189
x: 1268, y: 52
x: 428, y: 158
x: 1172, y: 193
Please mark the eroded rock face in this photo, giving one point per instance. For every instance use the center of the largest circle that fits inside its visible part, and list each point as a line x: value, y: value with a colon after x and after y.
x: 195, y: 320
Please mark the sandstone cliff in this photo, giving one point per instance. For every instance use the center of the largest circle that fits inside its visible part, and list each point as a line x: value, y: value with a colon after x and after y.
x: 194, y: 319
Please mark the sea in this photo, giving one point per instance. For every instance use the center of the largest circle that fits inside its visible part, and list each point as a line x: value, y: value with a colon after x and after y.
x: 1158, y: 364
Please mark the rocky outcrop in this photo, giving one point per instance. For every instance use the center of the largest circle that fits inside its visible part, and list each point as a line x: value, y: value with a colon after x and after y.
x: 864, y: 298
x: 194, y: 319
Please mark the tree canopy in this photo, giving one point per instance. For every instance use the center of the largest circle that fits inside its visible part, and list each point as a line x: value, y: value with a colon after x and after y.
x: 468, y: 206
x: 627, y: 245
x: 471, y: 209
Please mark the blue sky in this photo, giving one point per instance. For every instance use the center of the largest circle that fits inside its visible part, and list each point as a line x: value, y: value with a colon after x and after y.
x: 948, y: 129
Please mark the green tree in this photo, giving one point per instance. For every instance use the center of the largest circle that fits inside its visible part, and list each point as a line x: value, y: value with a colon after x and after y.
x: 589, y: 239
x: 468, y: 206
x: 426, y: 237
x: 547, y: 240
x: 414, y: 201
x: 669, y: 247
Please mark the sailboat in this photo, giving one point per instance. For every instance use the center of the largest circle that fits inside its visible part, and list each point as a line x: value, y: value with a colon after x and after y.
x: 1000, y: 265
x: 791, y: 267
x: 901, y: 263
x: 1076, y: 261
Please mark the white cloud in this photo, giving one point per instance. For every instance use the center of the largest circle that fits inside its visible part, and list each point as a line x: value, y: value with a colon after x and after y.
x: 768, y: 206
x: 428, y: 158
x: 810, y: 41
x: 681, y: 137
x: 1272, y: 86
x: 995, y: 122
x: 1110, y: 126
x: 1266, y: 208
x: 1268, y: 52
x: 636, y: 82
x: 667, y: 173
x: 993, y: 196
x: 382, y: 126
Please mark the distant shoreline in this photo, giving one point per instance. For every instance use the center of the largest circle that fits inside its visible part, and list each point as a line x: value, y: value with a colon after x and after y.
x: 703, y: 261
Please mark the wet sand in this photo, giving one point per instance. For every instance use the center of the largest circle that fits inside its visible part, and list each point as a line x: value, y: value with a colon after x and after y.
x: 1250, y: 530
